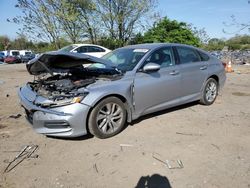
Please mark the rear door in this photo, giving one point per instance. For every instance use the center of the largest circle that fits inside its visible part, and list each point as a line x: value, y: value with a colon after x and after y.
x: 193, y: 70
x: 155, y: 91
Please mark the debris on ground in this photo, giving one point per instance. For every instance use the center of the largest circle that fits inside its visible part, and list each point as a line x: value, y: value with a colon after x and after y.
x: 25, y: 153
x: 15, y: 116
x: 217, y: 147
x: 7, y: 95
x: 241, y: 94
x: 1, y: 82
x: 95, y: 167
x: 177, y: 163
x: 189, y: 134
x: 125, y: 145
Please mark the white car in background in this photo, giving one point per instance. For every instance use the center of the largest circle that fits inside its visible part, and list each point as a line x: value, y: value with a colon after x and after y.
x: 89, y: 49
x: 11, y: 53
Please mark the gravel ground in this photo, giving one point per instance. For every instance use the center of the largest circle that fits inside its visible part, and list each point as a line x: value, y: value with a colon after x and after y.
x: 213, y: 143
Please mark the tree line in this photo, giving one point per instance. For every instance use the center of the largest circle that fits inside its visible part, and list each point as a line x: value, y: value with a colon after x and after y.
x: 47, y: 25
x: 75, y: 20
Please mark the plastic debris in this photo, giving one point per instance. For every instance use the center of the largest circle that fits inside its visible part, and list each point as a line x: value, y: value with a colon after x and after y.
x: 25, y: 153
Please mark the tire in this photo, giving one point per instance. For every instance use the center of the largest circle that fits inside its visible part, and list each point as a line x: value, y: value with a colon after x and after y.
x: 210, y: 92
x: 107, y: 118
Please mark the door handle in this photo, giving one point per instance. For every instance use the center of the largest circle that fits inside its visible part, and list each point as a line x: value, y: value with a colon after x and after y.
x: 174, y: 73
x: 203, y: 67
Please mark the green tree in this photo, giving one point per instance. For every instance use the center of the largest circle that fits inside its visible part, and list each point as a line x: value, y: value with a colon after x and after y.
x: 89, y: 19
x: 120, y: 18
x: 4, y: 43
x: 171, y: 31
x: 200, y: 33
x: 67, y: 15
x: 215, y: 44
x: 38, y: 20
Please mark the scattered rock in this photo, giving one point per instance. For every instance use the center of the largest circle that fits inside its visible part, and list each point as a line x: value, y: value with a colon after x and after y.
x: 2, y: 126
x: 15, y: 116
x: 240, y: 94
x: 1, y: 82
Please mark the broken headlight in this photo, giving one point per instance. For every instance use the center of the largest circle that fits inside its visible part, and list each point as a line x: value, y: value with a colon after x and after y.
x: 65, y: 101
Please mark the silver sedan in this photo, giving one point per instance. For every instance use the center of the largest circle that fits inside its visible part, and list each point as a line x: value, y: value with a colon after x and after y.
x: 75, y: 94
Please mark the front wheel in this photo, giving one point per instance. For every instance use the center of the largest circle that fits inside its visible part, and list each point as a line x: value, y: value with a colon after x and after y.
x: 209, y: 92
x: 107, y: 118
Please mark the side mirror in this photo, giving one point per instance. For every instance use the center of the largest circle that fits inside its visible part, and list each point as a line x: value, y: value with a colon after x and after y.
x: 151, y: 67
x: 74, y: 51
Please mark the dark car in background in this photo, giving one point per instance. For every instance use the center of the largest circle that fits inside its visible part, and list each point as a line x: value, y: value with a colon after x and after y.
x: 27, y: 57
x: 1, y: 57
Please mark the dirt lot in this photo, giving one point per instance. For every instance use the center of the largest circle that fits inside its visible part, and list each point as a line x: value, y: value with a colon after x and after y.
x: 213, y: 143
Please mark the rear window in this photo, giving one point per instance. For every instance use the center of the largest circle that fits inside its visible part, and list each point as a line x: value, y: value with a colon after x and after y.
x: 95, y: 49
x: 187, y: 55
x: 204, y: 57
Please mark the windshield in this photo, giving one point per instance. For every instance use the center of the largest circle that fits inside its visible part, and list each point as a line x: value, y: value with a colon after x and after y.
x: 67, y: 48
x: 125, y: 59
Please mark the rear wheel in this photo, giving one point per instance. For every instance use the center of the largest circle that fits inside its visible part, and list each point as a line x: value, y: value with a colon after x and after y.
x: 210, y: 92
x: 107, y: 118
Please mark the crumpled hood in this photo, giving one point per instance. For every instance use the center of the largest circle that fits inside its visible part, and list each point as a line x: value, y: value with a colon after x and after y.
x: 60, y: 62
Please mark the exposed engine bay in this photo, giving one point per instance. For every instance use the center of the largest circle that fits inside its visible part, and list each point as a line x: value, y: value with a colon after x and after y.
x: 61, y: 77
x: 63, y: 86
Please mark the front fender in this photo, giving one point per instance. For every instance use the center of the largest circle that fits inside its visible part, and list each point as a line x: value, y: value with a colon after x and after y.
x: 121, y: 88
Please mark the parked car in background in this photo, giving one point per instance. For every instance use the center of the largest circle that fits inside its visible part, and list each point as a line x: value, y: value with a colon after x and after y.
x: 25, y: 52
x: 1, y: 57
x: 125, y: 84
x: 12, y: 59
x: 11, y: 53
x: 89, y: 49
x: 27, y: 57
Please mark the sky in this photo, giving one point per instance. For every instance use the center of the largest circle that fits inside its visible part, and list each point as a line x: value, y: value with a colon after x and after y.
x: 201, y: 13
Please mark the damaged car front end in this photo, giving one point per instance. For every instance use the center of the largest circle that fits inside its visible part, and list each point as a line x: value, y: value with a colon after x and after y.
x: 53, y: 101
x: 75, y: 94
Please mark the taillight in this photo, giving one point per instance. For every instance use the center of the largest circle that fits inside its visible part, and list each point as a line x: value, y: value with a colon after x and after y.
x: 224, y: 64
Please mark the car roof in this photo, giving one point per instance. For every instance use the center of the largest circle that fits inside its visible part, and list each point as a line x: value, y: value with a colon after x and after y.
x: 152, y: 46
x: 78, y: 45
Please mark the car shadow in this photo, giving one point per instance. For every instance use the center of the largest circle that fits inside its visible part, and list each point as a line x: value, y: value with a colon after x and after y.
x: 79, y: 138
x: 169, y: 110
x: 154, y: 181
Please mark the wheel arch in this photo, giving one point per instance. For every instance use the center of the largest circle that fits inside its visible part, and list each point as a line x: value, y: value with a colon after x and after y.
x: 119, y: 96
x: 214, y: 76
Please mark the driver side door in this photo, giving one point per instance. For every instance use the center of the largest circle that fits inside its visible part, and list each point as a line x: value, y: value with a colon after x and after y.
x: 154, y: 91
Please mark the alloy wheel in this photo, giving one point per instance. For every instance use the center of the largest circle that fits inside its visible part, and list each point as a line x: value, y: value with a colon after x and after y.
x: 109, y: 118
x: 211, y: 91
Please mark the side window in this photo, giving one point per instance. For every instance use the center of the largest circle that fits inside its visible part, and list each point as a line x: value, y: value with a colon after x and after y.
x: 204, y: 57
x: 163, y: 57
x: 187, y: 55
x: 82, y: 49
x: 95, y: 49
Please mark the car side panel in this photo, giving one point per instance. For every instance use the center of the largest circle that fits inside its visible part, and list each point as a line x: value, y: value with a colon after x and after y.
x: 215, y: 67
x: 156, y: 91
x: 193, y: 76
x: 122, y: 87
